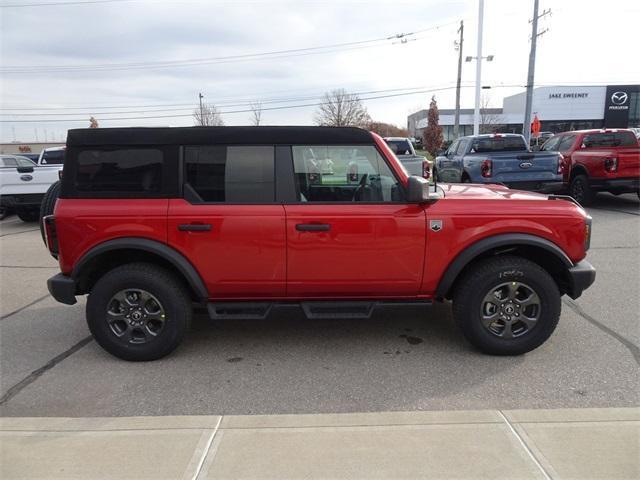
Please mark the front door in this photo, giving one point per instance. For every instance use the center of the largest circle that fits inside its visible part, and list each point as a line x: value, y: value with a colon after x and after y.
x: 350, y: 234
x: 228, y: 224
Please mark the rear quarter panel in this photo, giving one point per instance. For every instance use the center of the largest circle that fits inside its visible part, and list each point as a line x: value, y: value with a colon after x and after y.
x: 592, y: 159
x: 85, y: 223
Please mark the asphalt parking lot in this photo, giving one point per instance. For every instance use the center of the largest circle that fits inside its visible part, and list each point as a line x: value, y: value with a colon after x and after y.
x: 403, y: 360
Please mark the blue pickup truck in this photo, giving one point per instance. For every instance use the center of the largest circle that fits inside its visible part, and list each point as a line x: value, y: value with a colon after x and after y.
x: 500, y: 158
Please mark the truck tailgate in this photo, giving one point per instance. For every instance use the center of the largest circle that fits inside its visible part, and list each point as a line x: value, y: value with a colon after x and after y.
x: 524, y: 166
x: 628, y: 162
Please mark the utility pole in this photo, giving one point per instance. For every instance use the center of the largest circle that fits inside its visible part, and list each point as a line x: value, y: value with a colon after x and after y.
x: 456, y: 125
x: 200, y: 96
x: 476, y: 112
x: 526, y: 124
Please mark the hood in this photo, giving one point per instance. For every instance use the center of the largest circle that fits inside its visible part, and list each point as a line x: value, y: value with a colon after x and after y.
x: 468, y: 191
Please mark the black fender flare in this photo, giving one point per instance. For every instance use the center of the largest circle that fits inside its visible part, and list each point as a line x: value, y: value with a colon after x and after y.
x: 169, y: 254
x: 489, y: 243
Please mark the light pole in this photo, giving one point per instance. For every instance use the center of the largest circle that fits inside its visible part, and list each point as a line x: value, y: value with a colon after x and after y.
x: 200, y: 96
x: 456, y: 124
x: 476, y: 113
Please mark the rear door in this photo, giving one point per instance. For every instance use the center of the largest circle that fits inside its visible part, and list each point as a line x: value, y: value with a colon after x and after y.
x: 349, y: 232
x: 228, y: 224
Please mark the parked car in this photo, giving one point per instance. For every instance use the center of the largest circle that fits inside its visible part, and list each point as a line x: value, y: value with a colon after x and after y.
x: 151, y: 221
x: 23, y: 184
x: 598, y: 161
x: 500, y: 158
x: 404, y: 151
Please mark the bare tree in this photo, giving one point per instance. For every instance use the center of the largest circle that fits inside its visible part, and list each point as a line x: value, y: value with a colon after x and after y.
x: 256, y: 113
x: 208, y: 116
x: 488, y: 120
x: 340, y: 109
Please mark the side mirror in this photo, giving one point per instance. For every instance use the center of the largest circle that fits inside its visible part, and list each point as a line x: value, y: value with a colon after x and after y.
x: 418, y: 190
x: 441, y: 153
x: 25, y: 169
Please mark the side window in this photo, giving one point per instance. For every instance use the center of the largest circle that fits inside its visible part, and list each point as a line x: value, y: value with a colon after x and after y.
x: 597, y: 140
x: 53, y: 157
x: 462, y: 147
x: 133, y: 170
x: 343, y: 174
x: 566, y: 143
x: 8, y: 162
x: 551, y: 145
x: 242, y: 174
x: 625, y: 139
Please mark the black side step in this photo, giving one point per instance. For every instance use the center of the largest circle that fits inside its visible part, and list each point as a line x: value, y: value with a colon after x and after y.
x: 337, y: 309
x: 313, y: 309
x: 248, y: 310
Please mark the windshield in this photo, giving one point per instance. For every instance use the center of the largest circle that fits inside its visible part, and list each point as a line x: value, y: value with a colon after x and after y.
x: 399, y: 147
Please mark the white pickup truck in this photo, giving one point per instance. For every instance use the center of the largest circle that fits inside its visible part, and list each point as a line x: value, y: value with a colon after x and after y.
x: 23, y: 183
x: 414, y: 164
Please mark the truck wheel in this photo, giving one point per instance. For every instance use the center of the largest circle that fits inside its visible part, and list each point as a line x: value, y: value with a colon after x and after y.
x: 28, y: 214
x: 138, y: 312
x: 580, y: 190
x: 48, y: 204
x: 506, y: 305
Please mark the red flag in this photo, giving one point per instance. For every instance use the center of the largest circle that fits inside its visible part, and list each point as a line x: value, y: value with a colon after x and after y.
x: 535, y: 126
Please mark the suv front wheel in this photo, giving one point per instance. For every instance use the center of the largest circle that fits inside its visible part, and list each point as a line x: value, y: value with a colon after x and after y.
x: 138, y: 312
x: 506, y: 305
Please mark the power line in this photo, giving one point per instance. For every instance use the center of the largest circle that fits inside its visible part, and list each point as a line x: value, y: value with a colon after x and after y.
x: 190, y: 106
x: 58, y: 4
x: 315, y: 104
x: 331, y: 48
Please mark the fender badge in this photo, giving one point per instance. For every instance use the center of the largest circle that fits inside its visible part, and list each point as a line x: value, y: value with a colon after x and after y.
x: 435, y: 225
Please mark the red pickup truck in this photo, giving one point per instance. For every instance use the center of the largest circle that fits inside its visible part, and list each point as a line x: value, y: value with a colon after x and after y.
x: 598, y: 161
x: 241, y: 221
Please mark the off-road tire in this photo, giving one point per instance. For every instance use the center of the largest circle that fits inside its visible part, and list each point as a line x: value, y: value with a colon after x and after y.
x: 48, y: 204
x: 28, y: 215
x: 580, y: 190
x: 160, y: 283
x: 486, y: 274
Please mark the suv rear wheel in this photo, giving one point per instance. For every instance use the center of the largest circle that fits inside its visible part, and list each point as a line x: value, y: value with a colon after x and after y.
x: 506, y: 305
x: 138, y: 312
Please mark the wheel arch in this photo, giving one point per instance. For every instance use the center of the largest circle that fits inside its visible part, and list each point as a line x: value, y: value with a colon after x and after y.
x: 578, y: 170
x: 537, y: 249
x: 113, y: 253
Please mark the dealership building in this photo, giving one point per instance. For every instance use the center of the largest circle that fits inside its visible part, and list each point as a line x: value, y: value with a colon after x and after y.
x: 559, y: 109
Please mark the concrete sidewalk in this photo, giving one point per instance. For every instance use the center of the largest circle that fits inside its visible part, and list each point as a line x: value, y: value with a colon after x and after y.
x: 580, y: 444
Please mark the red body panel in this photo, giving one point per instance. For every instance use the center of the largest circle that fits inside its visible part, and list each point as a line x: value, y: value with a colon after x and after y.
x: 244, y: 254
x: 370, y: 250
x: 84, y: 223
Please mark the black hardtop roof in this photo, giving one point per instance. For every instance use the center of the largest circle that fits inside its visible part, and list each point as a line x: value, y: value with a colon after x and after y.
x: 271, y: 135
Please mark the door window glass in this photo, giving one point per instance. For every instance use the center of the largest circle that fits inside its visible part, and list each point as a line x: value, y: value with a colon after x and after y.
x: 231, y: 174
x: 53, y: 157
x: 343, y: 174
x: 8, y: 162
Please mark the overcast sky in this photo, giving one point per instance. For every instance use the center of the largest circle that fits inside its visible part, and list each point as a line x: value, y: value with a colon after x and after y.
x: 588, y: 42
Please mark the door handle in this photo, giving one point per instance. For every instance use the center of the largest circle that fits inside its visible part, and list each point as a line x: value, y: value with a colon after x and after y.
x: 313, y: 227
x: 194, y: 227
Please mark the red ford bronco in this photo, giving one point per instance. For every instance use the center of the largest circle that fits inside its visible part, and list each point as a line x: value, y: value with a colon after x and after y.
x: 151, y: 222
